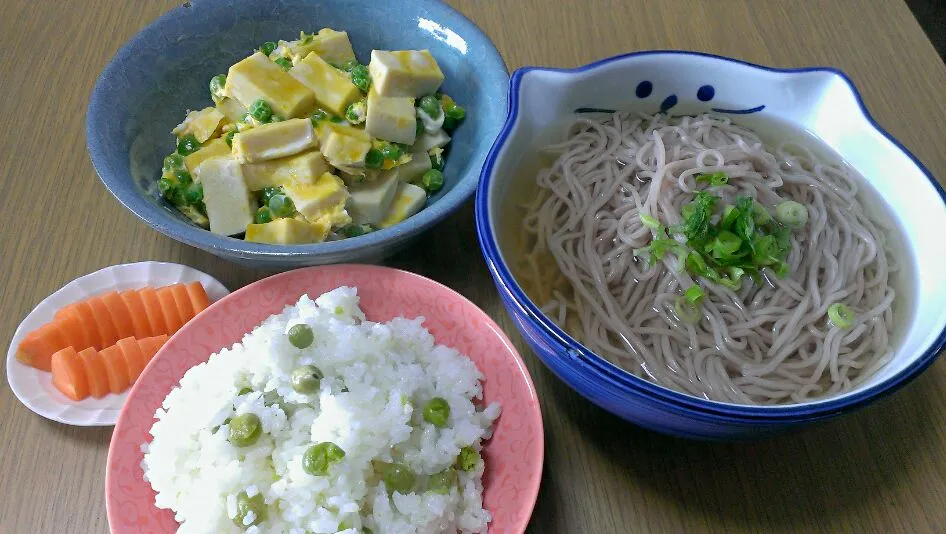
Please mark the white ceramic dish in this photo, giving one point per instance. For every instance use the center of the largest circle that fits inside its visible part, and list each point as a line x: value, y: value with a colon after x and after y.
x: 821, y: 101
x: 35, y: 389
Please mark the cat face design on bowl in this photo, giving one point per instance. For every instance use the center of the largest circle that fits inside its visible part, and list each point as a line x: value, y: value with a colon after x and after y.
x: 705, y: 93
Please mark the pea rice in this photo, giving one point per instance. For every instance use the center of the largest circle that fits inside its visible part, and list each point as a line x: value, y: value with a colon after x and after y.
x: 378, y: 378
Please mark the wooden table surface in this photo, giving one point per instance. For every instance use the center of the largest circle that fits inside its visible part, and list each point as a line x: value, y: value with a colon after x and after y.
x: 880, y: 470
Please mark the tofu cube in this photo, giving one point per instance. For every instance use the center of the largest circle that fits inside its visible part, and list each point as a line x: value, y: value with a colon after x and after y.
x: 232, y: 109
x: 258, y: 77
x: 412, y: 73
x: 345, y: 146
x: 408, y: 200
x: 286, y: 232
x: 274, y: 140
x: 202, y: 124
x: 333, y: 90
x: 425, y: 141
x: 302, y: 168
x: 215, y: 148
x: 371, y: 201
x: 391, y: 118
x: 323, y: 201
x: 229, y: 207
x: 415, y: 168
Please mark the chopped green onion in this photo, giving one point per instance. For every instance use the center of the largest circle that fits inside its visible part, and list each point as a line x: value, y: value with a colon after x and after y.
x: 759, y: 214
x: 267, y: 47
x: 791, y: 214
x: 841, y: 315
x: 450, y: 124
x: 436, y: 160
x: 229, y: 137
x: 283, y: 62
x: 217, y: 83
x: 724, y: 245
x: 694, y: 294
x: 319, y: 115
x: 687, y: 310
x: 430, y: 105
x: 419, y: 128
x: 456, y: 113
x: 649, y: 222
x: 349, y: 65
x: 355, y: 230
x: 716, y: 178
x: 194, y: 193
x: 173, y: 162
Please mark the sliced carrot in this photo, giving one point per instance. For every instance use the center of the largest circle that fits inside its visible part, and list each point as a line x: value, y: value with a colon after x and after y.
x: 198, y: 296
x: 183, y: 301
x: 171, y: 317
x: 115, y: 368
x: 103, y: 321
x: 84, y: 314
x: 134, y: 359
x: 38, y: 346
x: 72, y: 331
x: 69, y: 374
x: 66, y: 309
x: 151, y: 345
x: 121, y: 317
x: 152, y: 306
x: 139, y: 319
x: 95, y: 371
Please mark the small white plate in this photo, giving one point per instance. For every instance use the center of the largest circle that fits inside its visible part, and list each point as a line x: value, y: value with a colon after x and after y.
x: 35, y: 388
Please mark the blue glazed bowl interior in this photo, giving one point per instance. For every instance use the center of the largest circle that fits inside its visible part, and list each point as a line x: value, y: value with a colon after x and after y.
x: 820, y: 101
x: 164, y: 71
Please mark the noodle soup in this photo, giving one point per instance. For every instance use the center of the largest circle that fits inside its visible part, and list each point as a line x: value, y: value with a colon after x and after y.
x: 737, y: 262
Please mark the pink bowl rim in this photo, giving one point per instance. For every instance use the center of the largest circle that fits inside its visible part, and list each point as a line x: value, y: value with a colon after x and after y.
x: 539, y: 459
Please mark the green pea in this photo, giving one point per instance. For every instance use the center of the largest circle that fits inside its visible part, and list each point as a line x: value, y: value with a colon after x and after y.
x: 317, y: 117
x: 267, y: 47
x: 432, y: 181
x: 263, y: 216
x: 318, y: 458
x: 436, y: 161
x: 306, y: 379
x: 268, y: 193
x: 173, y: 162
x: 450, y: 124
x: 355, y: 230
x: 399, y: 477
x: 217, y: 83
x: 419, y: 128
x: 246, y: 504
x: 442, y: 482
x: 261, y: 110
x: 194, y: 193
x: 455, y: 112
x: 281, y: 206
x: 391, y: 152
x: 363, y: 83
x: 183, y: 177
x: 187, y: 145
x: 301, y: 336
x: 430, y: 105
x: 283, y: 62
x: 229, y: 137
x: 245, y: 429
x: 437, y: 412
x: 468, y: 458
x: 374, y: 158
x: 357, y: 112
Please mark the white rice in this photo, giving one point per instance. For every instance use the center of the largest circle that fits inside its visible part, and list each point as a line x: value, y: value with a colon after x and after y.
x: 377, y: 379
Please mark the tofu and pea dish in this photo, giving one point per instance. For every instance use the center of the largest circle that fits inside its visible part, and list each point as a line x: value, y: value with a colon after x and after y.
x: 306, y: 144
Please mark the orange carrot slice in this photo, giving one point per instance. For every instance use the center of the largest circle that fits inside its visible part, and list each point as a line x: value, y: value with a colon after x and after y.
x: 121, y: 317
x: 72, y: 331
x: 84, y: 314
x: 150, y: 346
x: 183, y: 301
x: 103, y: 321
x: 38, y: 347
x: 139, y: 319
x: 95, y: 371
x: 65, y: 310
x: 69, y: 374
x: 171, y: 317
x: 198, y: 296
x: 134, y: 360
x: 115, y: 369
x: 152, y: 306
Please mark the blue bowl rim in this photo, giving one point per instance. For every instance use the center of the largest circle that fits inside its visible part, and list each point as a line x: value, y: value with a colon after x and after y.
x: 121, y: 188
x: 615, y: 376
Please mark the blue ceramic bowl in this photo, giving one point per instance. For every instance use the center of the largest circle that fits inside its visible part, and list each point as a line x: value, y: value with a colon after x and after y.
x: 164, y: 70
x: 820, y: 100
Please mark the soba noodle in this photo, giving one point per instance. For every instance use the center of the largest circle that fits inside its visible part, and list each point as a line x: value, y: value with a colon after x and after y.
x: 769, y: 341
